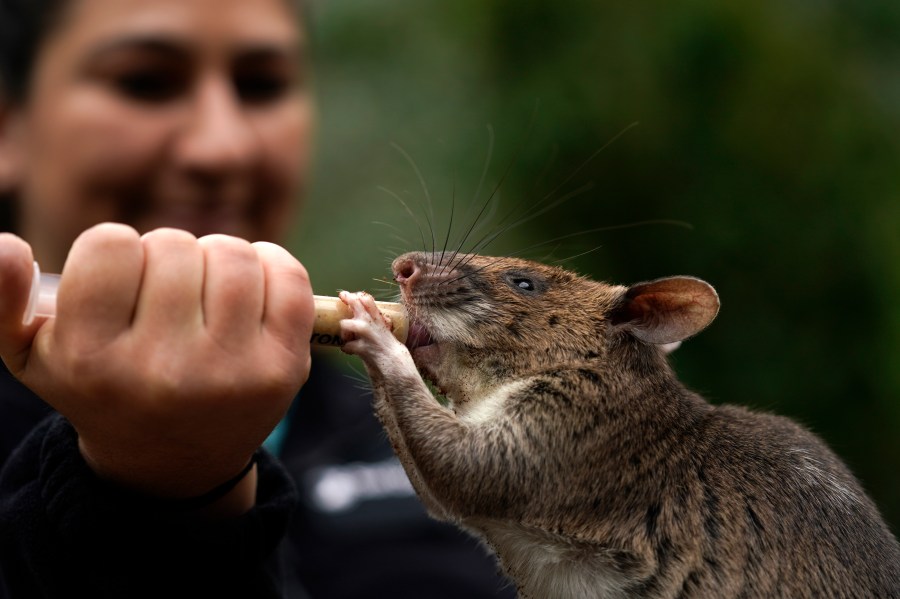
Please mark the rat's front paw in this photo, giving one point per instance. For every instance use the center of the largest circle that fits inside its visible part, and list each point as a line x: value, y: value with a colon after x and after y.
x: 368, y: 333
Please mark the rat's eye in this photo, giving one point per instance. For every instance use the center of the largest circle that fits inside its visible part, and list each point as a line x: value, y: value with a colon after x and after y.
x: 524, y: 284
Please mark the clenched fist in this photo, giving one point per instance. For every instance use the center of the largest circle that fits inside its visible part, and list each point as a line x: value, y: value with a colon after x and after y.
x: 173, y: 357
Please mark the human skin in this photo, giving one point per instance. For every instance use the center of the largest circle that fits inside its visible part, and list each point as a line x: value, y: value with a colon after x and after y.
x: 172, y: 357
x: 189, y: 114
x: 174, y: 352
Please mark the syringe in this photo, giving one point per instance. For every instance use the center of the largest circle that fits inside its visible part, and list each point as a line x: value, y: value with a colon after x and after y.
x: 330, y: 311
x: 42, y: 299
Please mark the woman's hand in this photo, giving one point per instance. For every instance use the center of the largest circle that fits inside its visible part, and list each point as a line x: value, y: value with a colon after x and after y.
x: 172, y: 357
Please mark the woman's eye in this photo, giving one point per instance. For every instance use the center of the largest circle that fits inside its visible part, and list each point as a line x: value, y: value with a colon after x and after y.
x: 259, y: 89
x: 149, y: 85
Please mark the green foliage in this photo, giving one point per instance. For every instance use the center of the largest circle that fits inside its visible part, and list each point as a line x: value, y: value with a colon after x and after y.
x: 773, y: 128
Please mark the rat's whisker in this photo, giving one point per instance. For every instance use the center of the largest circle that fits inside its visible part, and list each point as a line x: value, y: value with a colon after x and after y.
x: 540, y: 206
x: 546, y: 170
x: 590, y: 159
x: 470, y: 257
x: 505, y: 174
x: 408, y: 211
x: 570, y: 258
x: 484, y: 170
x: 469, y: 274
x: 397, y: 230
x: 429, y: 213
x: 486, y: 241
x: 450, y: 226
x: 632, y: 225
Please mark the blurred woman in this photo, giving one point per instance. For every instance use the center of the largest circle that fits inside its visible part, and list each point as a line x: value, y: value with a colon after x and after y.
x: 177, y: 350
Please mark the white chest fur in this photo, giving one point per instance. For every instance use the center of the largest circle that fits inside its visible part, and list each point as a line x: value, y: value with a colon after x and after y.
x: 545, y: 566
x: 485, y: 409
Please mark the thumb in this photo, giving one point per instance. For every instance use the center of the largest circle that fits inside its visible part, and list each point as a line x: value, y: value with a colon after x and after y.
x: 16, y: 271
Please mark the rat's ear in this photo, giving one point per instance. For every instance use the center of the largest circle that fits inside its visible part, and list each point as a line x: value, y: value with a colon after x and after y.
x: 666, y: 310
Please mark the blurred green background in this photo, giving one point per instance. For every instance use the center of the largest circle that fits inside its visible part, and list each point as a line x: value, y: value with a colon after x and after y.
x: 773, y: 128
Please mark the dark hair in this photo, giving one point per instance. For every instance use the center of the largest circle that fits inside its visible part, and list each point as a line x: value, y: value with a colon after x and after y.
x: 23, y: 26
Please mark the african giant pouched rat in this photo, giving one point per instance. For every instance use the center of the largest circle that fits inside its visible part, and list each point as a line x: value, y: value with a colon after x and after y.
x: 572, y: 449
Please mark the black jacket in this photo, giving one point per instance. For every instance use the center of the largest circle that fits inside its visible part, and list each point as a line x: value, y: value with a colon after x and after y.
x: 335, y: 517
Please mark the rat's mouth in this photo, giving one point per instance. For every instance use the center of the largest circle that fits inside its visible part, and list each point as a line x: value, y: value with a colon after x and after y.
x: 427, y: 353
x: 418, y: 336
x: 425, y: 350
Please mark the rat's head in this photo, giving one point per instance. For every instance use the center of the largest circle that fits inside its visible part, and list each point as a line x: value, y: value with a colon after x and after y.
x: 494, y: 318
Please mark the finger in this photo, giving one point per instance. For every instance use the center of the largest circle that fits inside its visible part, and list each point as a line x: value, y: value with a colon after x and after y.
x: 16, y: 269
x: 352, y: 328
x: 351, y: 300
x: 354, y: 301
x: 289, y: 309
x: 347, y: 297
x: 363, y: 306
x: 233, y: 288
x: 101, y: 281
x: 172, y: 287
x: 352, y: 347
x: 372, y: 310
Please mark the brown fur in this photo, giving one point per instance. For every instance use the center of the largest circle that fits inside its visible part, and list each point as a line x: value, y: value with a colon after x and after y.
x: 572, y: 449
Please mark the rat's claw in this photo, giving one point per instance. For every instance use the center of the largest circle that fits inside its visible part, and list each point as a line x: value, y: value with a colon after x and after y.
x: 367, y: 329
x: 368, y: 302
x: 363, y: 306
x: 367, y: 334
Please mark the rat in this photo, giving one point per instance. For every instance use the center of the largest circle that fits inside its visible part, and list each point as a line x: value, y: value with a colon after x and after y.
x: 569, y: 446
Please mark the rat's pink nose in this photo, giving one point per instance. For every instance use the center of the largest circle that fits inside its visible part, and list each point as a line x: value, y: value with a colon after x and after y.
x: 406, y: 269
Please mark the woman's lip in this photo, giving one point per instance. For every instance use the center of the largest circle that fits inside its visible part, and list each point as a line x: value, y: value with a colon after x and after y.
x: 418, y: 336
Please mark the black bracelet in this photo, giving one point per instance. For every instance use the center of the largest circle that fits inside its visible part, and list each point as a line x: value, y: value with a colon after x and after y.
x: 210, y: 497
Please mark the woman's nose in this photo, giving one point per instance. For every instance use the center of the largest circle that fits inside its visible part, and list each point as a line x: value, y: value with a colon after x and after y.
x: 217, y: 136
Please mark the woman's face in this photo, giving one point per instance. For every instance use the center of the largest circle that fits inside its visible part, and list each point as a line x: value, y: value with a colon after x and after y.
x: 186, y: 113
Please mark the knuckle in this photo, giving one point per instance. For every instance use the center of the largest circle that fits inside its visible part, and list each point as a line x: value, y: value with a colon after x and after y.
x: 166, y: 236
x: 278, y: 257
x: 238, y: 253
x: 298, y: 294
x: 295, y: 274
x: 225, y: 243
x: 13, y: 244
x: 111, y: 237
x: 108, y: 229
